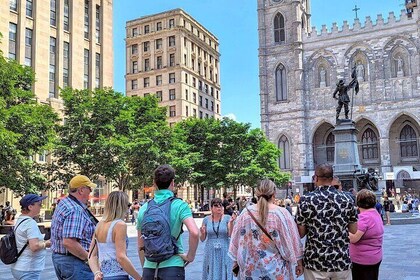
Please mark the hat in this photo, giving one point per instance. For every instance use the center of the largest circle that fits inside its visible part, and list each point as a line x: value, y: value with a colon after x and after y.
x: 79, y: 181
x: 30, y: 199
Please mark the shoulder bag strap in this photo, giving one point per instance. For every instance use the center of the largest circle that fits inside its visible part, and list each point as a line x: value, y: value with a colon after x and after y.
x: 263, y: 229
x: 26, y: 244
x: 91, y: 216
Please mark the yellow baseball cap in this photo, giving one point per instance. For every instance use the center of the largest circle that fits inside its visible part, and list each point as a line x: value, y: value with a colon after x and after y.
x: 79, y: 181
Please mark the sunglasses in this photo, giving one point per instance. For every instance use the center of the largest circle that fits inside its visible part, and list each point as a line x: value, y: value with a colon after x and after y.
x: 217, y: 205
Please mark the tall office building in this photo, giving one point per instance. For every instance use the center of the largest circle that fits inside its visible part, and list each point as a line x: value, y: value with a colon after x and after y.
x: 66, y: 42
x: 173, y: 56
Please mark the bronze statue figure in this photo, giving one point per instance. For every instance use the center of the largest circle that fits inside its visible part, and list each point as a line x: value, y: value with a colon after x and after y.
x: 343, y: 97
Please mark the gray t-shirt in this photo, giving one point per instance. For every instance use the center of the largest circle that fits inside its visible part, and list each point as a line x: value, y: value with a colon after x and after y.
x: 28, y: 261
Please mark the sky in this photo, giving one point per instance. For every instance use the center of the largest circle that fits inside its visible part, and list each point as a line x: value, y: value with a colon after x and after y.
x: 234, y: 23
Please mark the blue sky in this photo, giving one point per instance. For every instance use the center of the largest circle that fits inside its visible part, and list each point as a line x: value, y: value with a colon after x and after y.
x: 234, y: 23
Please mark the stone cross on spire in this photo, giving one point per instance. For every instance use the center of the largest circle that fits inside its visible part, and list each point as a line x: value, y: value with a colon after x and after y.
x: 355, y: 10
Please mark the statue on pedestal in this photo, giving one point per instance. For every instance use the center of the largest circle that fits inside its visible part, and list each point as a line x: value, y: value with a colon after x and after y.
x: 343, y: 97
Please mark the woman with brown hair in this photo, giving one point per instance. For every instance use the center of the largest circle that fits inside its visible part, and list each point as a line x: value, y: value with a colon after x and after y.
x: 265, y: 242
x: 366, y: 243
x: 108, y: 259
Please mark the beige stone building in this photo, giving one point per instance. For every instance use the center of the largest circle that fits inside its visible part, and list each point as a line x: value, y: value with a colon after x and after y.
x: 66, y: 42
x: 299, y: 69
x: 172, y: 55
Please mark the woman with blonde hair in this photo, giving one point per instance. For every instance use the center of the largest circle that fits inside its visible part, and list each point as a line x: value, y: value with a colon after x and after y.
x: 108, y: 258
x: 265, y: 242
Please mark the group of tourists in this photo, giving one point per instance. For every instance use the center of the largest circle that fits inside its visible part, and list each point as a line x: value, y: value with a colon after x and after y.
x: 261, y: 242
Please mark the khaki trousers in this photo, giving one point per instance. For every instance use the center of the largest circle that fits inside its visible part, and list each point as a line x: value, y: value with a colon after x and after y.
x: 323, y: 275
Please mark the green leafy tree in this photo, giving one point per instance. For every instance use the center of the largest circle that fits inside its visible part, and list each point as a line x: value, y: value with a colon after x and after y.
x: 26, y: 128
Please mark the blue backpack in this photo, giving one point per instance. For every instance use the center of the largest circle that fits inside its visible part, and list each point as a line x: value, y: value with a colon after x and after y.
x: 159, y: 244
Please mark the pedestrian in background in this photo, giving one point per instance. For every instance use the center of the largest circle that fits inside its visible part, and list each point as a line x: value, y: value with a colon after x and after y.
x: 269, y: 246
x: 366, y: 243
x: 72, y: 228
x: 32, y: 260
x: 216, y: 229
x: 387, y: 209
x: 108, y: 259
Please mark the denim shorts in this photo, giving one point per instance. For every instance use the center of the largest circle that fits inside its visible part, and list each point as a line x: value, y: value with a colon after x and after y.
x: 165, y: 273
x: 70, y: 268
x: 26, y: 275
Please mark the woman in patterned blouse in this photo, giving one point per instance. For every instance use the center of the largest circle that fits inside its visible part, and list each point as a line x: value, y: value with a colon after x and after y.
x: 256, y: 255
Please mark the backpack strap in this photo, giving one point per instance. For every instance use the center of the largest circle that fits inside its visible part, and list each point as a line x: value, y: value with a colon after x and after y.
x: 24, y: 246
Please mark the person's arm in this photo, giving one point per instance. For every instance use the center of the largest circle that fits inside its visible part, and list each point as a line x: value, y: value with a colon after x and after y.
x: 231, y: 223
x: 75, y: 248
x: 354, y: 237
x: 93, y: 260
x: 120, y: 235
x: 37, y: 245
x: 353, y: 227
x: 140, y: 247
x: 302, y: 231
x: 193, y: 239
x: 203, y: 231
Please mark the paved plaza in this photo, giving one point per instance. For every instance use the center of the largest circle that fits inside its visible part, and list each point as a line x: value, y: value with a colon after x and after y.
x: 401, y: 255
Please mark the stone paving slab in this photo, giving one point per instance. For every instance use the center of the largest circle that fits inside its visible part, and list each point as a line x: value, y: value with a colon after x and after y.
x: 401, y: 255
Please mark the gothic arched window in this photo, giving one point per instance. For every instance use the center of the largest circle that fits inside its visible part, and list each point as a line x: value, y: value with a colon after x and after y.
x: 408, y: 142
x: 284, y: 161
x: 281, y: 89
x: 279, y: 35
x: 369, y: 144
x: 330, y: 147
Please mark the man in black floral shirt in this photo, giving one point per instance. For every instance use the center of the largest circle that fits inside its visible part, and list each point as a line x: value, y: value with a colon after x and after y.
x: 326, y: 216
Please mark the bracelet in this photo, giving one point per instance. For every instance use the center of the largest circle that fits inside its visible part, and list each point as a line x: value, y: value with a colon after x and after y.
x: 43, y: 245
x: 97, y: 273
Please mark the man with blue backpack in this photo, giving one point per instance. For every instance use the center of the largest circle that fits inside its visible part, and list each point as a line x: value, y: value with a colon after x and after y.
x: 159, y: 228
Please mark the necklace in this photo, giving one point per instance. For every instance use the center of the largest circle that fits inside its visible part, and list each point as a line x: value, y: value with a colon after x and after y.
x: 218, y: 225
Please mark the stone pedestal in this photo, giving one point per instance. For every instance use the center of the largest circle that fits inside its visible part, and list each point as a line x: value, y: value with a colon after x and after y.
x: 346, y: 157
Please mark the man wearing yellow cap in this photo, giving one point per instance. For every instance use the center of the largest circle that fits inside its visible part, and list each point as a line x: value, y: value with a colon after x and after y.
x: 72, y: 228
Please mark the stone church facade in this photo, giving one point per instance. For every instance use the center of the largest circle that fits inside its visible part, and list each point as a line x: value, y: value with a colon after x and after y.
x: 299, y: 67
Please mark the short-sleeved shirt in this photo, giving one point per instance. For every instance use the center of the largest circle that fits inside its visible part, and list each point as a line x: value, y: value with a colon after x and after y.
x: 368, y: 250
x: 28, y: 260
x: 179, y: 212
x: 326, y: 214
x: 70, y: 220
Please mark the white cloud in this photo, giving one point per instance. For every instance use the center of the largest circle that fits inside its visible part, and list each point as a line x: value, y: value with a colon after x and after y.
x: 230, y: 116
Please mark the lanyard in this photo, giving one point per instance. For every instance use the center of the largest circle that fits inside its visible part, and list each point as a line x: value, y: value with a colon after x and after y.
x: 91, y: 217
x: 218, y: 226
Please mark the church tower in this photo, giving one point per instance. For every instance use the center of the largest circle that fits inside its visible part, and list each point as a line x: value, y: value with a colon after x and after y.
x: 281, y: 27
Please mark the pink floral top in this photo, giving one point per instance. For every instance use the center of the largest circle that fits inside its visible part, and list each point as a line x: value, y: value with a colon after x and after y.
x: 256, y: 255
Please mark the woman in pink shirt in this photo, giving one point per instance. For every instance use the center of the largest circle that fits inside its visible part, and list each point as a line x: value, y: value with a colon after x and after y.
x: 366, y: 243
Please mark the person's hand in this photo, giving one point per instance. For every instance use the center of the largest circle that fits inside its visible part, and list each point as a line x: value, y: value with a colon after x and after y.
x: 186, y: 258
x: 99, y: 275
x: 47, y: 243
x: 299, y: 270
x: 233, y: 217
x: 203, y: 230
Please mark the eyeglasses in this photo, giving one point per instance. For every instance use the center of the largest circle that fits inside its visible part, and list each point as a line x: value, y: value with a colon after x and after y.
x: 218, y: 205
x: 89, y: 188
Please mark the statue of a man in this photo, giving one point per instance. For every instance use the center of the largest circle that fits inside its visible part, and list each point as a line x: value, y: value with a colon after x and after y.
x: 343, y: 97
x: 322, y: 75
x: 400, y: 64
x: 360, y: 69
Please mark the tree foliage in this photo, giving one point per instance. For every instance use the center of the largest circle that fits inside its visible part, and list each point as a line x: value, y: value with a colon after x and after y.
x: 26, y: 128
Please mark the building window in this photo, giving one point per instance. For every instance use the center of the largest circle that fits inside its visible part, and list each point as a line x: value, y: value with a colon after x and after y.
x: 159, y: 62
x: 281, y: 89
x: 284, y: 161
x: 53, y: 13
x: 206, y: 88
x: 159, y: 26
x: 134, y: 49
x: 158, y: 44
x: 186, y: 111
x: 66, y: 15
x: 146, y: 82
x: 201, y: 114
x: 186, y: 78
x: 98, y: 24
x: 171, y: 23
x: 28, y: 47
x: 29, y: 11
x: 200, y: 85
x: 217, y: 94
x: 12, y: 40
x: 199, y: 67
x: 212, y: 91
x: 330, y: 147
x: 172, y: 41
x: 13, y: 5
x: 147, y: 64
x: 171, y: 60
x: 192, y: 63
x: 97, y: 70
x: 159, y: 95
x: 172, y: 94
x: 217, y: 109
x: 186, y: 94
x: 146, y: 46
x: 134, y: 32
x: 194, y: 113
x: 369, y: 145
x: 134, y: 84
x: 408, y: 142
x: 200, y: 101
x: 42, y: 157
x: 134, y: 67
x: 207, y: 115
x: 52, y: 87
x: 146, y: 29
x: 158, y: 80
x: 194, y: 82
x: 171, y: 78
x: 66, y: 64
x: 86, y: 69
x: 212, y: 106
x: 86, y: 20
x: 194, y: 98
x: 172, y: 112
x: 207, y: 103
x: 279, y: 35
